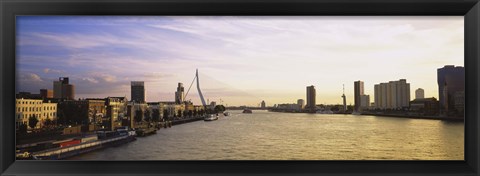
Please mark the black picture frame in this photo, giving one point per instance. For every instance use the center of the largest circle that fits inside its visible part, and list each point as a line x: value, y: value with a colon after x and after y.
x: 470, y: 9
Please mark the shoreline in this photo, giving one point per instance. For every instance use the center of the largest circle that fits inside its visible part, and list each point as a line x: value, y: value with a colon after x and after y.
x: 458, y: 119
x: 417, y: 117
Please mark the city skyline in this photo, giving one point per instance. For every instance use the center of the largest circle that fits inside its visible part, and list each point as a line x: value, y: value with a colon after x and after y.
x: 241, y: 60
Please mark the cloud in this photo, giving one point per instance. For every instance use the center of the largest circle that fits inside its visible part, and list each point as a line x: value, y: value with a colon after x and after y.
x: 30, y: 77
x: 48, y: 70
x: 103, y: 54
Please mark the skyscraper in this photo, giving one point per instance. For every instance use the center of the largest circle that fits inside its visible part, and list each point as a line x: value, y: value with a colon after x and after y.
x: 180, y: 94
x: 62, y: 89
x: 301, y: 103
x: 358, y: 92
x: 392, y: 95
x: 45, y: 93
x: 454, y: 78
x: 419, y: 93
x: 137, y: 91
x: 311, y: 98
x: 364, y: 101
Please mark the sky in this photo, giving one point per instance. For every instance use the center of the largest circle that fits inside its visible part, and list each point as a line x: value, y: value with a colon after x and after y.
x: 241, y: 60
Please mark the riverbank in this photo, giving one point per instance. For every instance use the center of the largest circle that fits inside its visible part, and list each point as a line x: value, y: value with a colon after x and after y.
x: 50, y: 153
x: 392, y: 115
x: 416, y: 117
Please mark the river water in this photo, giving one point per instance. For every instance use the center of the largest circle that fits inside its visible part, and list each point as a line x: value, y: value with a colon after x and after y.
x: 296, y: 136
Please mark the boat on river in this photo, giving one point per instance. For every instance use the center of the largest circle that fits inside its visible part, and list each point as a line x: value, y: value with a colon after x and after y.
x: 211, y: 117
x: 226, y: 113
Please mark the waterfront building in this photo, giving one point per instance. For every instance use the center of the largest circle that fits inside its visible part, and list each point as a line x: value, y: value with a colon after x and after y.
x: 392, y: 95
x: 450, y: 79
x: 180, y: 94
x: 288, y: 107
x: 137, y: 91
x: 301, y: 103
x: 263, y: 106
x: 45, y: 93
x: 62, y: 89
x: 116, y: 111
x: 459, y: 102
x: 96, y: 109
x: 364, y: 102
x: 358, y: 92
x: 26, y: 108
x: 311, y: 99
x: 419, y: 93
x: 425, y: 106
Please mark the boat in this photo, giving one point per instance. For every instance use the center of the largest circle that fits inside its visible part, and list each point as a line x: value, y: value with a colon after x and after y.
x: 226, y: 113
x: 247, y: 111
x: 75, y: 147
x: 211, y: 117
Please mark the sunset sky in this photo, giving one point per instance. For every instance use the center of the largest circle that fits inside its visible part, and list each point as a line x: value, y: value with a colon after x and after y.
x: 241, y: 60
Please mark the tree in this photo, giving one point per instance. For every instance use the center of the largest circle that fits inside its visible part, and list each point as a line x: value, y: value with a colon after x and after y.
x: 180, y: 113
x: 165, y: 114
x: 147, y: 115
x: 190, y: 113
x: 32, y: 121
x: 219, y: 108
x: 195, y: 112
x: 138, y: 115
x: 156, y: 115
x: 48, y: 122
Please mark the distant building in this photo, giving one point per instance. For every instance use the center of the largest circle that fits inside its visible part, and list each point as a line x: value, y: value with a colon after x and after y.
x: 392, y: 95
x: 450, y: 80
x: 301, y: 103
x: 138, y: 91
x: 288, y: 107
x: 425, y: 106
x: 358, y: 92
x: 28, y: 95
x: 419, y: 93
x: 62, y: 89
x: 263, y: 106
x: 26, y: 108
x: 45, y: 93
x: 311, y: 98
x: 364, y: 101
x: 180, y: 94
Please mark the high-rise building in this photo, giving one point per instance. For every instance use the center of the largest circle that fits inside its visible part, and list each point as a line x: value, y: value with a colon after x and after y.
x: 138, y: 91
x: 263, y: 105
x: 419, y: 93
x: 453, y: 78
x: 301, y: 103
x: 364, y: 101
x: 358, y: 92
x: 179, y: 94
x: 45, y: 93
x: 62, y: 89
x: 311, y: 98
x: 392, y: 95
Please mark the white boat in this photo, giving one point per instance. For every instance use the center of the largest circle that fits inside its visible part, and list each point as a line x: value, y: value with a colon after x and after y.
x: 211, y: 117
x: 356, y: 113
